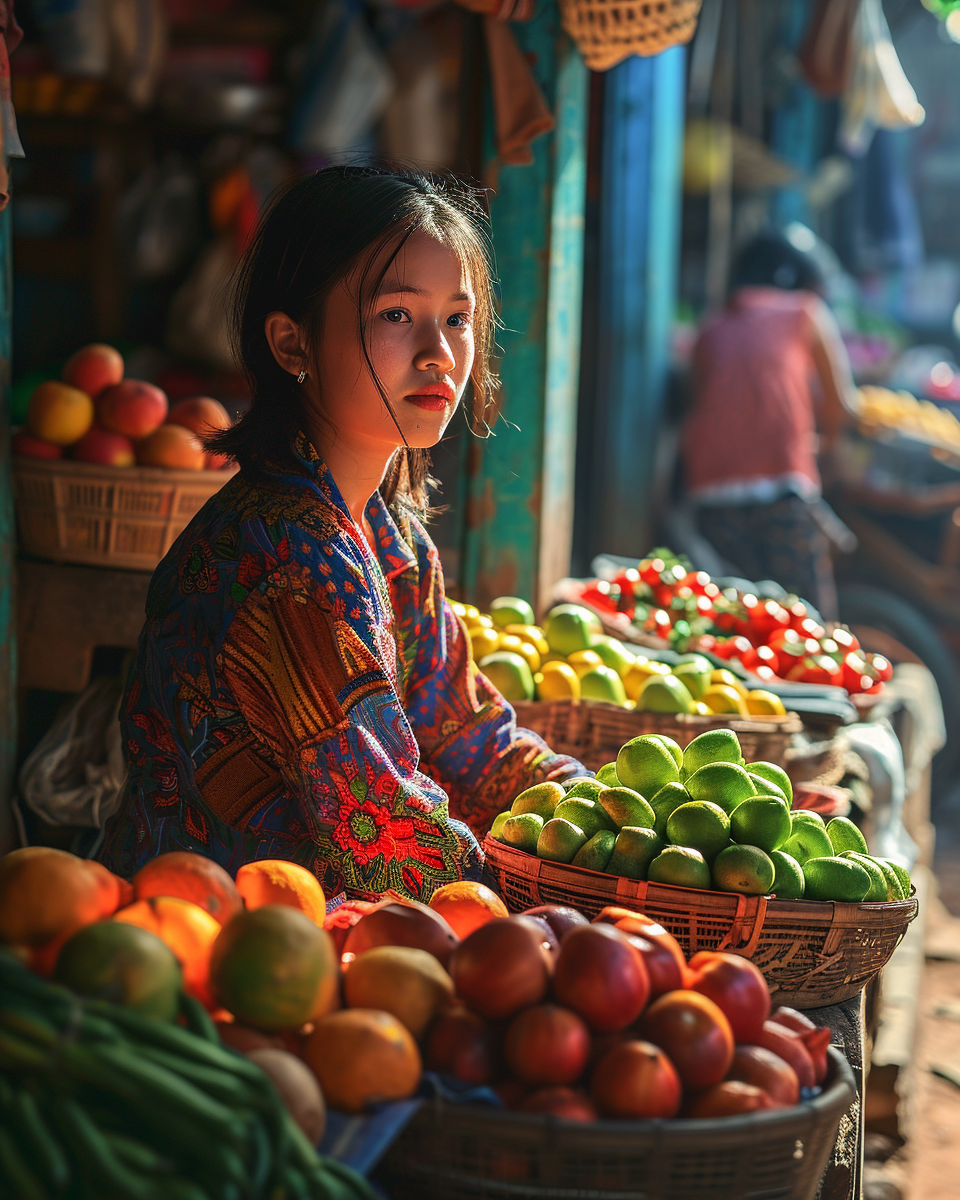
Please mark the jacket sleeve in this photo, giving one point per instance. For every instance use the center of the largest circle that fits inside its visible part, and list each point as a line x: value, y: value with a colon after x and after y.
x: 466, y: 730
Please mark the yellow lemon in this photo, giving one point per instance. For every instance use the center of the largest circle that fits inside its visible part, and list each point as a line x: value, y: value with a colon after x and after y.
x: 532, y: 634
x: 583, y: 661
x: 509, y: 641
x: 458, y: 608
x: 721, y: 698
x: 637, y: 674
x: 728, y: 679
x: 484, y: 642
x: 765, y: 704
x: 701, y: 709
x: 470, y: 610
x: 557, y: 681
x: 480, y: 621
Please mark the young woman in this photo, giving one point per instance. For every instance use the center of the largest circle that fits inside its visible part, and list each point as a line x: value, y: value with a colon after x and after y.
x: 302, y: 688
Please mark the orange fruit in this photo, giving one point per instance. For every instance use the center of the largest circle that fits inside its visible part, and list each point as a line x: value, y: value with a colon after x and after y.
x: 190, y: 877
x: 361, y: 1056
x: 274, y: 969
x: 46, y: 895
x: 274, y: 881
x: 466, y: 905
x: 187, y: 929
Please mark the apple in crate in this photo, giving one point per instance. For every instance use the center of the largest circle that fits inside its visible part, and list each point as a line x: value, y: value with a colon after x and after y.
x: 27, y: 445
x: 171, y: 446
x: 133, y: 408
x: 202, y: 415
x: 105, y: 448
x: 93, y: 368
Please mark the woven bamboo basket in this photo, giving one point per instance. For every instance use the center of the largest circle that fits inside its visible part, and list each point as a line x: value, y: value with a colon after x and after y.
x: 607, y: 31
x: 461, y: 1150
x: 106, y: 516
x: 811, y: 952
x: 593, y: 731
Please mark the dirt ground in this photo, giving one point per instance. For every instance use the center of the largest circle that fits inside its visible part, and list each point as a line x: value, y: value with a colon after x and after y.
x: 927, y: 1166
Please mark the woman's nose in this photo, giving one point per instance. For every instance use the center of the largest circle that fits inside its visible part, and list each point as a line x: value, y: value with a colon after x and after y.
x: 436, y: 354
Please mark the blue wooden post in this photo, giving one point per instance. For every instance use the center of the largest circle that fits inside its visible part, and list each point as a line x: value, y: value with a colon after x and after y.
x: 640, y: 203
x: 520, y: 482
x: 8, y: 657
x: 797, y: 128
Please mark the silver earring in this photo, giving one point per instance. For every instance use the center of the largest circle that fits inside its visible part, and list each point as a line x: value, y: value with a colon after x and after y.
x: 302, y: 376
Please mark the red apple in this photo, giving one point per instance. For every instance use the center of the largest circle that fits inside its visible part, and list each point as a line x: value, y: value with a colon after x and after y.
x: 463, y: 1045
x: 737, y: 987
x: 25, y: 443
x: 566, y: 1102
x: 200, y: 414
x: 663, y: 970
x: 501, y: 967
x: 559, y: 917
x: 93, y: 368
x: 104, y: 447
x: 133, y: 408
x: 548, y: 938
x: 636, y: 1080
x: 402, y: 923
x: 601, y: 976
x: 547, y: 1044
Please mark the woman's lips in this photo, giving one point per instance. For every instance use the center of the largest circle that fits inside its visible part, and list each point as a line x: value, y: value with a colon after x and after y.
x: 430, y: 401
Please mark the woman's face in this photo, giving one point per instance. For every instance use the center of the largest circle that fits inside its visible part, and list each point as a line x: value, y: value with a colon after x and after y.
x: 420, y: 339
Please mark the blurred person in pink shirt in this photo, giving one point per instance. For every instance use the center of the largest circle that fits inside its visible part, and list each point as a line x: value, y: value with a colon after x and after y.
x: 769, y: 371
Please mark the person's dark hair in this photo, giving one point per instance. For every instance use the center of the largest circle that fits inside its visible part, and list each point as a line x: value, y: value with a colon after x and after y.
x: 771, y: 260
x: 314, y: 231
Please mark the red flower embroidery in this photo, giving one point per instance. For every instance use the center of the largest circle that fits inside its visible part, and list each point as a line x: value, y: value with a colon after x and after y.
x: 364, y: 828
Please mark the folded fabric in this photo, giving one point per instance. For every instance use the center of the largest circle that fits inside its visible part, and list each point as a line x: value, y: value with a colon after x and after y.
x: 520, y: 112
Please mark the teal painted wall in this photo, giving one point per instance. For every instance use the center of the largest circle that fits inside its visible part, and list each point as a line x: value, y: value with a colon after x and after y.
x: 8, y: 656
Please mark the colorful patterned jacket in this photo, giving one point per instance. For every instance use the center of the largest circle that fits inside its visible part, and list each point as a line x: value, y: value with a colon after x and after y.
x: 296, y: 696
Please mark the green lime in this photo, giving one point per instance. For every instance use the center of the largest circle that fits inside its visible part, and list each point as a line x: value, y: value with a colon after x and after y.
x: 646, y: 765
x: 716, y: 745
x: 766, y: 788
x: 603, y: 683
x: 595, y: 854
x: 808, y: 838
x: 894, y: 886
x: 522, y: 832
x: 680, y: 866
x: 585, y: 814
x: 560, y: 840
x: 511, y: 610
x: 666, y: 801
x: 510, y: 674
x: 832, y: 878
x: 588, y: 789
x: 665, y: 694
x: 634, y: 850
x: 745, y: 869
x: 541, y: 799
x: 570, y: 627
x: 878, y: 880
x: 612, y: 653
x: 626, y: 807
x: 692, y: 678
x: 902, y: 874
x: 671, y: 745
x: 773, y: 774
x: 701, y: 826
x: 496, y: 829
x: 608, y: 775
x: 844, y: 835
x: 723, y: 783
x: 788, y: 882
x: 762, y: 821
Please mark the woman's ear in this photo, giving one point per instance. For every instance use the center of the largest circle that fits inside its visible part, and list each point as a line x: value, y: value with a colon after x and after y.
x: 283, y: 338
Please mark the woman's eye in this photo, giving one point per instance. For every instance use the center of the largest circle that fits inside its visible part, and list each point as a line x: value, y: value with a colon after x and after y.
x: 459, y: 320
x: 396, y: 316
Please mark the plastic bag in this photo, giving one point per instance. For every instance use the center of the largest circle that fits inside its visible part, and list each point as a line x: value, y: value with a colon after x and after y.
x: 879, y: 94
x: 74, y: 775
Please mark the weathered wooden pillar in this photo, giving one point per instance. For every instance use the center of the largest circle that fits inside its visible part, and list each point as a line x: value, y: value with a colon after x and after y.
x: 519, y: 487
x: 8, y: 656
x: 639, y: 245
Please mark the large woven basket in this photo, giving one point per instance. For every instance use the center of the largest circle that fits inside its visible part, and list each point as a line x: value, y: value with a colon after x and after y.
x: 593, y: 731
x: 106, y: 516
x: 811, y: 952
x: 460, y: 1150
x: 607, y: 31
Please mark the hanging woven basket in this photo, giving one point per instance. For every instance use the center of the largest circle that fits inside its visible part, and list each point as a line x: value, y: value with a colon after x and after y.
x: 608, y: 31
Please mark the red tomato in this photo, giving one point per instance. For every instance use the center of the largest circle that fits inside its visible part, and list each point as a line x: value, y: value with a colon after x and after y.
x: 598, y: 594
x: 881, y: 665
x: 817, y: 668
x: 728, y: 1099
x: 651, y: 569
x: 766, y: 658
x: 704, y: 606
x: 737, y: 987
x: 764, y: 1069
x: 711, y: 591
x: 767, y: 674
x: 694, y: 1034
x: 696, y: 581
x: 765, y: 618
x: 846, y: 640
x: 707, y: 644
x: 811, y: 629
x: 798, y: 614
x: 789, y: 1046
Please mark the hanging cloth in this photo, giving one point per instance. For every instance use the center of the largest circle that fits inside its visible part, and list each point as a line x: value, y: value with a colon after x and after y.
x: 520, y: 112
x: 829, y: 46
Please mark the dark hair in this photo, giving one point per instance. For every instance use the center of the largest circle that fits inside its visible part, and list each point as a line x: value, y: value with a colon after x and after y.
x: 312, y: 233
x: 771, y: 260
